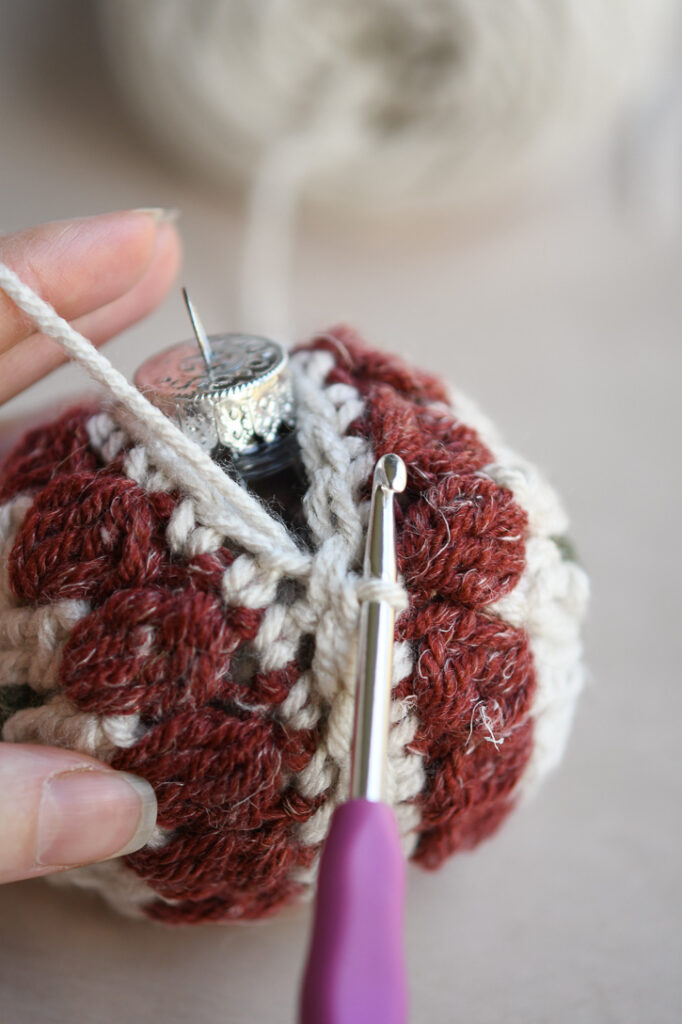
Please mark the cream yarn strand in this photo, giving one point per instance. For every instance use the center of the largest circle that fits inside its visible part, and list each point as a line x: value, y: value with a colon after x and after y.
x: 220, y: 502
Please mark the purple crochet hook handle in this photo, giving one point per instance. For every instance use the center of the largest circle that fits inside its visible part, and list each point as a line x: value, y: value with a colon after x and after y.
x: 355, y: 972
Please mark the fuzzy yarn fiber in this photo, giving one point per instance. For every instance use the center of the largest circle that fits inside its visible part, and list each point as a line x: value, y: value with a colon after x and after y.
x: 132, y: 631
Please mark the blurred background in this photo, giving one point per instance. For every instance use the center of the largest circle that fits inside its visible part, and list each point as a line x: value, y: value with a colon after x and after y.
x: 493, y: 189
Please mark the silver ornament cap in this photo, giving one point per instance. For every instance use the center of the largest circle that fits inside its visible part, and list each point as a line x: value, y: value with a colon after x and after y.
x: 223, y: 390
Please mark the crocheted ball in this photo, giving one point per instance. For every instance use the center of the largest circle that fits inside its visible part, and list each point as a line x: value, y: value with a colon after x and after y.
x: 132, y: 631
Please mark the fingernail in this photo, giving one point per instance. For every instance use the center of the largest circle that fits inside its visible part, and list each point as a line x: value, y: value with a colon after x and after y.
x: 89, y: 815
x: 159, y: 214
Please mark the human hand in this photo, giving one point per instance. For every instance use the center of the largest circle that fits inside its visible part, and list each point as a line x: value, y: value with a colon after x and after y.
x: 59, y: 808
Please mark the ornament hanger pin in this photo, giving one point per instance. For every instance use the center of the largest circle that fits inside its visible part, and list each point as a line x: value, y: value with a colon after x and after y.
x: 355, y: 972
x: 231, y: 393
x: 199, y: 333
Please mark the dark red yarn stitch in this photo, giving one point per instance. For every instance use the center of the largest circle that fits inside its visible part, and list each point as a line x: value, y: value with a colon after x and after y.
x: 154, y: 652
x: 360, y: 366
x: 160, y: 641
x: 463, y: 540
x: 61, y: 448
x: 218, y: 779
x: 465, y: 661
x: 87, y: 534
x: 431, y: 443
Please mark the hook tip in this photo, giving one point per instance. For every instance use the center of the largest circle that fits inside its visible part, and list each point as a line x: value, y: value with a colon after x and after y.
x: 391, y: 473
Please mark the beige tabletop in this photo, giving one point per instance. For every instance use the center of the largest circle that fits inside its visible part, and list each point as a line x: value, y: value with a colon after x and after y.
x: 561, y: 315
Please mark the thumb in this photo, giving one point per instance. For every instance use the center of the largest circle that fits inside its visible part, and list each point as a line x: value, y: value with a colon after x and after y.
x: 59, y: 809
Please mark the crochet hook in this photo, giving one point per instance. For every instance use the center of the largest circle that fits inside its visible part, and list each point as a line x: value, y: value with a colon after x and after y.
x: 355, y: 970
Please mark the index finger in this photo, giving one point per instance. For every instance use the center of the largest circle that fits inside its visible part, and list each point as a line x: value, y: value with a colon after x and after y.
x: 76, y: 265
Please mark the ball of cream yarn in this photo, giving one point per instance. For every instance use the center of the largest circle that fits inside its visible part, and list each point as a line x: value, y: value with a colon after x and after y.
x: 380, y: 102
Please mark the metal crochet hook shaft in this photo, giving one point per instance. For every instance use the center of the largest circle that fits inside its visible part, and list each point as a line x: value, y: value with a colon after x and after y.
x: 355, y: 973
x: 199, y: 333
x: 377, y: 626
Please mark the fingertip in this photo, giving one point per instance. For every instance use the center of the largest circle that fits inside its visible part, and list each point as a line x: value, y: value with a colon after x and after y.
x: 82, y: 264
x: 91, y: 815
x: 35, y: 356
x: 60, y: 809
x: 168, y: 250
